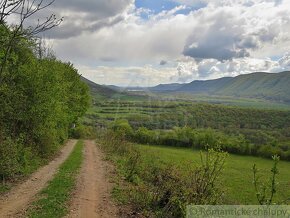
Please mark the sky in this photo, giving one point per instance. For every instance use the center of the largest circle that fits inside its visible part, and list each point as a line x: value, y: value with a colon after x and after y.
x: 148, y: 42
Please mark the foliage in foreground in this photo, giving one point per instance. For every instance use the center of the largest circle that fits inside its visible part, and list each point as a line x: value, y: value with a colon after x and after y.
x: 53, y: 199
x: 40, y: 97
x: 158, y: 189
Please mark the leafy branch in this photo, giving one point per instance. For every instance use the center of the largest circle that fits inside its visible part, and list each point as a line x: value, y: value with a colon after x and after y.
x: 25, y: 9
x: 265, y: 193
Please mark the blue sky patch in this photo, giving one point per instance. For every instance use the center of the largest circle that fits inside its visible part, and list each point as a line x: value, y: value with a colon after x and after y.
x: 157, y: 6
x: 276, y: 58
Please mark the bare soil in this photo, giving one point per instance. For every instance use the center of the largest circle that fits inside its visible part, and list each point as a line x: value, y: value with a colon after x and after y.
x: 15, y: 202
x: 91, y: 198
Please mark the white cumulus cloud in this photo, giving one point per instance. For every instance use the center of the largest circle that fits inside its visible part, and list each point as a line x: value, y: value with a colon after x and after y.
x: 217, y: 38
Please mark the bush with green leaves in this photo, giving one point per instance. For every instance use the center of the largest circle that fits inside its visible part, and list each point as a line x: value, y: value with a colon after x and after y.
x: 122, y: 127
x: 9, y: 165
x: 83, y: 132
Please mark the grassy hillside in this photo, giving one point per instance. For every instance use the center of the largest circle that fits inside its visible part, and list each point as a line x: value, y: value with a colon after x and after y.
x: 209, y: 86
x: 99, y: 91
x: 166, y: 87
x: 260, y: 85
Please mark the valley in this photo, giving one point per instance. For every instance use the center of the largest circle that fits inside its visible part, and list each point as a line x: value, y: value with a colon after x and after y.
x: 154, y: 133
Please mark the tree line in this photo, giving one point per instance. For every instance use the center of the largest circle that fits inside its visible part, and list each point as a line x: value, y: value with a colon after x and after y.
x: 203, y: 138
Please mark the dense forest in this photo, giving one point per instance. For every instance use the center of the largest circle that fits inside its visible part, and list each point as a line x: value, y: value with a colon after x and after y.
x: 40, y: 96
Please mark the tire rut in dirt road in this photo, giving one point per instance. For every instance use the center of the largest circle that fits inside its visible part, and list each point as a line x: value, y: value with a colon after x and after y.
x: 15, y: 202
x: 92, y: 196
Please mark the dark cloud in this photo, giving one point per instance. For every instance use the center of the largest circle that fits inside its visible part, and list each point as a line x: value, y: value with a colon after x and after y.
x: 69, y: 28
x: 85, y: 15
x: 163, y: 62
x: 106, y: 22
x: 221, y: 40
x: 107, y: 59
x: 249, y: 42
x: 96, y: 9
x: 205, y: 52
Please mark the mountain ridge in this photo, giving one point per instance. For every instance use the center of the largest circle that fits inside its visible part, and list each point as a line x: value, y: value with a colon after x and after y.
x: 271, y: 86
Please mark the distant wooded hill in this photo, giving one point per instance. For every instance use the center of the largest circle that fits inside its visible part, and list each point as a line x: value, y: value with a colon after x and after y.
x: 272, y: 86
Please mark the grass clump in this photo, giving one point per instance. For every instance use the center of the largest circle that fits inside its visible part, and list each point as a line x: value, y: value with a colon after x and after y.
x: 53, y: 199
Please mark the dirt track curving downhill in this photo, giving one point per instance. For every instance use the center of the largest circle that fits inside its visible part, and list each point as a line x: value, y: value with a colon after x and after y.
x: 91, y: 198
x: 15, y: 203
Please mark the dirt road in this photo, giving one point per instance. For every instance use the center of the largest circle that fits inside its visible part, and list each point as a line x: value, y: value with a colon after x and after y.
x: 92, y: 196
x: 14, y: 203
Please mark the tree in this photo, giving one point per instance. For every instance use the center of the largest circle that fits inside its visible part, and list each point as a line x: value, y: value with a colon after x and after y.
x: 17, y: 31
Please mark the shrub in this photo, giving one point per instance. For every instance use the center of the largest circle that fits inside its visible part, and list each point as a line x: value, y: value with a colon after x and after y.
x: 205, y: 187
x: 184, y: 135
x: 268, y: 151
x: 32, y: 161
x: 83, y: 132
x: 9, y: 165
x: 122, y: 127
x: 145, y: 136
x: 167, y: 189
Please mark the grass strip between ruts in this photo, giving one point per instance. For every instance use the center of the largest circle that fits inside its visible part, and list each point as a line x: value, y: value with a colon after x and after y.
x: 53, y: 199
